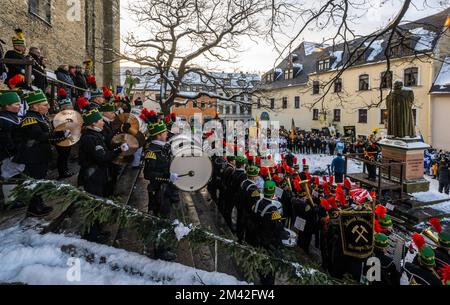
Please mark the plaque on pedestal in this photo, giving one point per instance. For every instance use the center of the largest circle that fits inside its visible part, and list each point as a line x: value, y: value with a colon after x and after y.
x: 411, y: 152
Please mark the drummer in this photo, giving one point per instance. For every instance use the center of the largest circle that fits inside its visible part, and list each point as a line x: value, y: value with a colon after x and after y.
x: 64, y: 103
x: 269, y: 234
x: 157, y: 172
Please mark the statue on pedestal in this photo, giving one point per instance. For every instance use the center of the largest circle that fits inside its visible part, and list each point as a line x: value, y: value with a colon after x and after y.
x: 400, y: 115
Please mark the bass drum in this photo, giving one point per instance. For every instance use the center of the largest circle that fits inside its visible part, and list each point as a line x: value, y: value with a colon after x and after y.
x: 194, y: 169
x: 289, y: 238
x: 180, y: 142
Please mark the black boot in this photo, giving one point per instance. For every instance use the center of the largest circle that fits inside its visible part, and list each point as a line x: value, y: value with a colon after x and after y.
x: 38, y: 209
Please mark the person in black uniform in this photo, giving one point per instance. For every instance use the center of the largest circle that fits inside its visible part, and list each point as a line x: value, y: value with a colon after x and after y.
x: 250, y: 196
x: 157, y: 172
x: 18, y: 52
x: 371, y: 154
x: 9, y: 139
x: 421, y: 270
x: 64, y: 103
x: 238, y: 177
x: 389, y: 274
x: 270, y: 229
x: 35, y: 149
x: 95, y: 156
x: 226, y: 193
x: 303, y: 209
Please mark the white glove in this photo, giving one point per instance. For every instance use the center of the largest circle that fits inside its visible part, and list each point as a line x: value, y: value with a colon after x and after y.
x: 67, y: 133
x: 124, y: 147
x: 3, y: 76
x: 173, y: 177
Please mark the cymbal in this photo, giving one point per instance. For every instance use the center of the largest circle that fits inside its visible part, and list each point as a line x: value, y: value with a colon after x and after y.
x: 126, y: 118
x: 69, y: 120
x: 132, y: 142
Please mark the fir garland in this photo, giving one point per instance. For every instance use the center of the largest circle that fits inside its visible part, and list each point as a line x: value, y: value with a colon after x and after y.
x: 162, y: 232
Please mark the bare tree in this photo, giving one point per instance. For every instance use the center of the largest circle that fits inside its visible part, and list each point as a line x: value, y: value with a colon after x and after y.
x: 177, y: 35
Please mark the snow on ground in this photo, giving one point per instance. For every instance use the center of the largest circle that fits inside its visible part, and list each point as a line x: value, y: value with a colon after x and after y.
x: 442, y: 207
x: 319, y: 163
x: 31, y: 258
x: 429, y: 196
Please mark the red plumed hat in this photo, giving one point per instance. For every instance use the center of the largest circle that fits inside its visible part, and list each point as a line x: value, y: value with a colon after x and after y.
x: 258, y: 160
x: 380, y: 211
x: 91, y: 80
x: 326, y: 189
x: 62, y: 93
x: 418, y: 240
x: 376, y: 226
x: 331, y: 182
x: 295, y: 160
x: 16, y: 80
x: 325, y: 204
x: 316, y: 181
x: 332, y: 202
x: 82, y: 103
x: 264, y: 171
x: 436, y: 223
x: 304, y: 161
x: 106, y: 92
x: 445, y: 274
x: 324, y: 178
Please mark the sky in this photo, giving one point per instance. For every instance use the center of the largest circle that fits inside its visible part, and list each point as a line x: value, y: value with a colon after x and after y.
x: 260, y: 56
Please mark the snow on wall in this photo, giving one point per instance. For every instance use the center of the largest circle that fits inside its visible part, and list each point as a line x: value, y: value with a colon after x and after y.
x: 31, y: 258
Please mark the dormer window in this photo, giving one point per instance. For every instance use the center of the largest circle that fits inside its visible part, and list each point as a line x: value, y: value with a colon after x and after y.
x: 323, y: 65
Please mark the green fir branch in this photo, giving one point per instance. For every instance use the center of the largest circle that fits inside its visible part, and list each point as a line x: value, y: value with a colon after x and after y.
x: 151, y: 229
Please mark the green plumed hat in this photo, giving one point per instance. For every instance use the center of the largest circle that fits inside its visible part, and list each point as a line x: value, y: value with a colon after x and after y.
x: 427, y: 256
x: 444, y: 239
x: 96, y: 93
x: 9, y: 98
x: 253, y: 171
x: 64, y: 102
x: 381, y: 241
x: 107, y: 107
x: 19, y: 38
x: 269, y: 188
x: 91, y: 116
x: 385, y: 222
x: 35, y: 97
x: 157, y: 128
x: 241, y: 161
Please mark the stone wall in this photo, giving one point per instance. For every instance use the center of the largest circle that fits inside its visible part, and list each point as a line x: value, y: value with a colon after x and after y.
x: 76, y: 32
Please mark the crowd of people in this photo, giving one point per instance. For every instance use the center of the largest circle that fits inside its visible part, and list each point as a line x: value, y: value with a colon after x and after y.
x: 437, y: 165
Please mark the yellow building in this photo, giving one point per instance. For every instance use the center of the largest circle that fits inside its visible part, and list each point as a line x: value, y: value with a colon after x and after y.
x: 300, y: 87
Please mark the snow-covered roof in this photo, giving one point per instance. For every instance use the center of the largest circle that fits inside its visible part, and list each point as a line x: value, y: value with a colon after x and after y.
x: 426, y: 39
x: 338, y: 58
x: 310, y: 47
x: 149, y: 79
x: 376, y: 47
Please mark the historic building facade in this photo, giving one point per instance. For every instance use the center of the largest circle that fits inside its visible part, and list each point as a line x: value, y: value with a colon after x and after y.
x: 68, y: 32
x: 295, y: 89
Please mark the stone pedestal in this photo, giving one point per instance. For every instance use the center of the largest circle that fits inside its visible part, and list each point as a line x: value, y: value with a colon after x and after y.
x: 411, y: 152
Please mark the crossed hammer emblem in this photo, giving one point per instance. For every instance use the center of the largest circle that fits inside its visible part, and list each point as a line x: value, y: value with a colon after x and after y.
x: 360, y: 230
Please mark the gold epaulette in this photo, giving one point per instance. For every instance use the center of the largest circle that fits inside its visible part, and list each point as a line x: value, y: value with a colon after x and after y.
x: 150, y: 155
x: 276, y: 215
x: 29, y: 121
